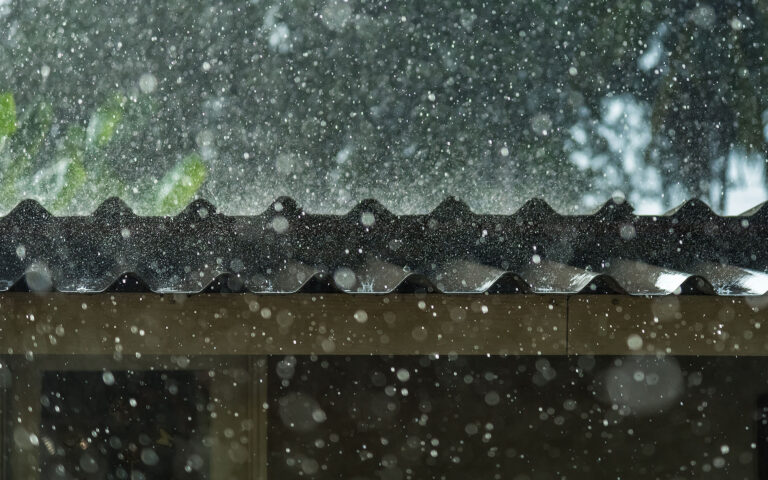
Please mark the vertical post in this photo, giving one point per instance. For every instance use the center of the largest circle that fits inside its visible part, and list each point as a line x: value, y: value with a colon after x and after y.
x: 229, y: 441
x: 5, y: 378
x: 258, y: 404
x: 23, y: 428
x: 762, y: 436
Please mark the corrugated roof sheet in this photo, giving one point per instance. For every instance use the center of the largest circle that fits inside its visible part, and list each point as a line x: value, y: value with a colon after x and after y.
x: 690, y: 250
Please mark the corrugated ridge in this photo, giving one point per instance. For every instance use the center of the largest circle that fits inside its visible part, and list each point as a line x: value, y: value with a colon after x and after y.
x: 450, y: 206
x: 370, y: 250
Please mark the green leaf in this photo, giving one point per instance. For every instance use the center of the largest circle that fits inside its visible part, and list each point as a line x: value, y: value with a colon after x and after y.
x: 105, y: 121
x: 74, y: 178
x: 72, y: 152
x: 7, y: 114
x: 73, y: 145
x: 33, y: 128
x: 178, y: 187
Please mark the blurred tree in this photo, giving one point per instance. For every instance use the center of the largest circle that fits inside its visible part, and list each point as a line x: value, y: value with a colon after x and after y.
x: 405, y: 101
x: 712, y: 97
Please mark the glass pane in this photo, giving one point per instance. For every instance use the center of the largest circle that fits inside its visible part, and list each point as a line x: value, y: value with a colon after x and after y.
x: 521, y: 418
x: 143, y: 418
x: 125, y: 424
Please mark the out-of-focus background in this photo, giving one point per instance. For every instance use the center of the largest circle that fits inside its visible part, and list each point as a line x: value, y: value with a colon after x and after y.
x: 407, y: 102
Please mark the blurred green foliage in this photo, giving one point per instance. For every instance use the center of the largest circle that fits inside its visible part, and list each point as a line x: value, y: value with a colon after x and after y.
x: 180, y: 184
x: 80, y: 163
x: 7, y: 115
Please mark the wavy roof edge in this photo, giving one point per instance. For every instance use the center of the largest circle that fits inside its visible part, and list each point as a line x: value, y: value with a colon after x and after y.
x: 449, y: 206
x: 689, y: 250
x: 324, y: 283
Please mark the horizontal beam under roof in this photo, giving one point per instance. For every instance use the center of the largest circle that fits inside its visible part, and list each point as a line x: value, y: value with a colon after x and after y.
x: 123, y: 324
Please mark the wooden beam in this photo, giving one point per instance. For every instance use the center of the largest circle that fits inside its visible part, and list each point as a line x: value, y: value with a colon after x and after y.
x: 247, y: 324
x: 343, y: 324
x: 672, y: 325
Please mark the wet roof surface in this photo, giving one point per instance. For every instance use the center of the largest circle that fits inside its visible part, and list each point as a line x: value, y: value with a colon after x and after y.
x: 690, y: 250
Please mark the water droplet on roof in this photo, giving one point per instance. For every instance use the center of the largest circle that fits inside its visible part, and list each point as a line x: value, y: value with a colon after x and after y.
x: 279, y: 224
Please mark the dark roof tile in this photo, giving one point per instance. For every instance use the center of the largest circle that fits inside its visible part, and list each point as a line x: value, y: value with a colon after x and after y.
x: 370, y: 250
